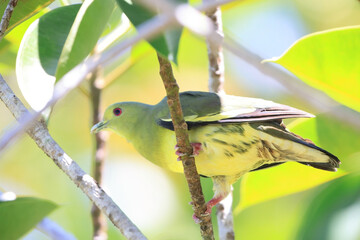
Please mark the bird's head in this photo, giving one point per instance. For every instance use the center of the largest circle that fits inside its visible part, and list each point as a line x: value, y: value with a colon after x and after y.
x: 120, y: 118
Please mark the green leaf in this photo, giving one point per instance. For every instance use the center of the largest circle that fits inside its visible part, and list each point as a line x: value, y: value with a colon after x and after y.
x: 88, y: 26
x: 331, y: 207
x: 39, y: 54
x: 23, y: 10
x: 329, y: 61
x: 21, y: 215
x: 167, y: 43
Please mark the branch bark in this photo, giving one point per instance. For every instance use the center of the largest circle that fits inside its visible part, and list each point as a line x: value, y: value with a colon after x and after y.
x: 182, y: 138
x: 6, y: 17
x: 40, y: 134
x: 216, y: 84
x: 215, y: 53
x: 98, y: 219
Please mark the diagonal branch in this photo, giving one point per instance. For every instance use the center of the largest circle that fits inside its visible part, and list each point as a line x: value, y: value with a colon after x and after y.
x: 40, y: 134
x: 6, y: 17
x: 182, y: 138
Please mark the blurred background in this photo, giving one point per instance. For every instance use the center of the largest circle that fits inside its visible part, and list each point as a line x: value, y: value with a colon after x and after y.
x: 276, y: 203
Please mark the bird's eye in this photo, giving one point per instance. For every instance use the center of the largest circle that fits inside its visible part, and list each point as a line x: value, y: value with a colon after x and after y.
x: 117, y: 111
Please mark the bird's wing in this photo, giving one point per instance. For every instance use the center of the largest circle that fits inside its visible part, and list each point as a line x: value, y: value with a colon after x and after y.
x: 202, y: 108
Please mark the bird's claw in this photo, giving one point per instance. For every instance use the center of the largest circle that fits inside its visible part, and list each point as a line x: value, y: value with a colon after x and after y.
x: 196, y: 150
x: 198, y: 220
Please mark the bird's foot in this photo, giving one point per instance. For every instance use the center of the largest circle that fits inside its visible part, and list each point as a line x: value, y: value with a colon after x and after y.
x: 209, y: 206
x: 196, y: 150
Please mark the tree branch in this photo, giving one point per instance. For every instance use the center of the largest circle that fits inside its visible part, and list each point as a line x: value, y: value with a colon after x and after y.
x: 182, y: 138
x: 215, y: 53
x: 216, y: 84
x: 39, y: 133
x: 98, y: 219
x: 6, y: 17
x: 53, y: 230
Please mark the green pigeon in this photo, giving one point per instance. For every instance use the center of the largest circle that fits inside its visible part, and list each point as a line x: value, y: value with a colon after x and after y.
x: 230, y: 136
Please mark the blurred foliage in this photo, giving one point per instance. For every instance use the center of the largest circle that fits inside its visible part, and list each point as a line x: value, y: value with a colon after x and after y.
x: 19, y: 216
x: 326, y: 211
x: 290, y: 201
x: 329, y: 61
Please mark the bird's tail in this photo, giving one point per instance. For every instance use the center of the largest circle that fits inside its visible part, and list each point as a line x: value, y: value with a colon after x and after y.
x: 332, y: 161
x: 295, y: 148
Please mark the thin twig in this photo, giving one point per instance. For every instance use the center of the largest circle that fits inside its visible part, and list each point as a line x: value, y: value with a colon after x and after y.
x: 215, y: 54
x: 40, y: 134
x: 6, y: 17
x: 182, y: 139
x: 98, y: 219
x: 53, y: 230
x: 216, y: 84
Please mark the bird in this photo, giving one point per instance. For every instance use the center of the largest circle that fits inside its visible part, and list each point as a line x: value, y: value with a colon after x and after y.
x: 230, y: 136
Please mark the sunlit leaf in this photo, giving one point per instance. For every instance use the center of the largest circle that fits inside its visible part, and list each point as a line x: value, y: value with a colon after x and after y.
x: 88, y: 26
x: 23, y: 10
x: 19, y: 216
x: 114, y: 21
x: 335, y: 210
x: 329, y: 61
x: 167, y: 43
x: 39, y: 54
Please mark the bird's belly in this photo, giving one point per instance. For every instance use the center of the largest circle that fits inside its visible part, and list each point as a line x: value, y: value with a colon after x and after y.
x: 227, y: 149
x: 231, y: 149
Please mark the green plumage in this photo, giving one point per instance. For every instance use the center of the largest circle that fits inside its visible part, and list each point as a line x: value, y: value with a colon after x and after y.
x: 237, y: 135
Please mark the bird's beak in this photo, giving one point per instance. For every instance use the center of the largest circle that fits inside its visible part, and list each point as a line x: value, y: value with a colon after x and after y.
x: 99, y: 126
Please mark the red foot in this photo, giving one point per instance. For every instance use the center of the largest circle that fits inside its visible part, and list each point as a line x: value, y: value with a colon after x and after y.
x: 196, y: 150
x: 209, y: 206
